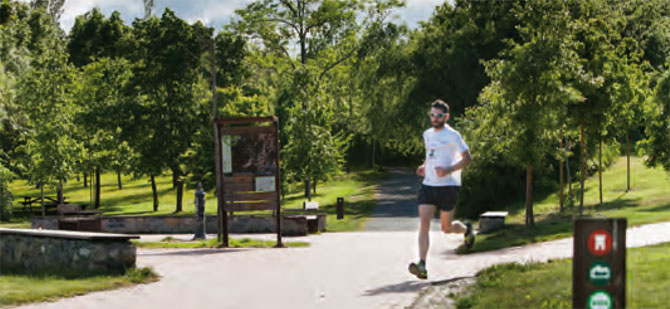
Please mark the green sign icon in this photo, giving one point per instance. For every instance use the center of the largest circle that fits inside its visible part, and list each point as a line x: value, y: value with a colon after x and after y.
x: 600, y: 300
x: 600, y: 273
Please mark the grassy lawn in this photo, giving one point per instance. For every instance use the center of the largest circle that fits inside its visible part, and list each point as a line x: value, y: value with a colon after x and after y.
x: 647, y: 202
x: 549, y: 285
x: 135, y: 198
x: 18, y: 289
x: 169, y: 242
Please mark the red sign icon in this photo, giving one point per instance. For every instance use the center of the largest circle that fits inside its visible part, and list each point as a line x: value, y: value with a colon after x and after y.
x: 600, y: 242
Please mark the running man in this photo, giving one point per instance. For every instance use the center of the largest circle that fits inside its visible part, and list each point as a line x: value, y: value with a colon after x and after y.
x: 446, y: 155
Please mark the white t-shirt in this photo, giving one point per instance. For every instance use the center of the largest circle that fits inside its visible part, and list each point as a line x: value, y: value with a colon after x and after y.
x: 443, y: 149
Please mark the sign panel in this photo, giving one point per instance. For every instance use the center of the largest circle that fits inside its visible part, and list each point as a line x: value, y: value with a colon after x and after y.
x: 265, y: 184
x: 600, y: 242
x: 600, y: 300
x: 600, y: 273
x: 227, y: 154
x: 599, y: 263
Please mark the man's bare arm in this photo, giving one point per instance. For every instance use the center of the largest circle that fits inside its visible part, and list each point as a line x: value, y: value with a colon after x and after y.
x: 421, y: 170
x: 466, y: 159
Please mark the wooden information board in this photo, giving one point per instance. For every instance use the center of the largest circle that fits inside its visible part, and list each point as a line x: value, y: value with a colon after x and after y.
x: 249, y: 175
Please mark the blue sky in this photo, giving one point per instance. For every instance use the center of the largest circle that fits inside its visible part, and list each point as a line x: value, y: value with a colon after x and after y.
x: 212, y: 12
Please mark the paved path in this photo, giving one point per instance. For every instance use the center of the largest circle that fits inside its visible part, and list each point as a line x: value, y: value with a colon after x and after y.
x: 338, y: 270
x: 396, y: 208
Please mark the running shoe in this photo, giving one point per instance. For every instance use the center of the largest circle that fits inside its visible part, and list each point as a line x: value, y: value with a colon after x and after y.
x: 419, y: 270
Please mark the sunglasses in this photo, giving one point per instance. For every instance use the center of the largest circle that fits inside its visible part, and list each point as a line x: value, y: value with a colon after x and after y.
x: 438, y: 115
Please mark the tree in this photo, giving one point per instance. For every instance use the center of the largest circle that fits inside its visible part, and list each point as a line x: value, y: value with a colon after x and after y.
x: 527, y: 90
x: 47, y: 93
x: 101, y: 115
x: 93, y: 36
x: 657, y: 116
x: 52, y: 7
x: 5, y: 195
x: 607, y: 80
x: 167, y: 55
x: 451, y: 49
x: 325, y: 34
x: 14, y: 61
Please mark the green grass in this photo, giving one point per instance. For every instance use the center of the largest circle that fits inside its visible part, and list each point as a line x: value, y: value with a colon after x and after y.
x: 647, y: 202
x: 136, y: 198
x: 549, y: 285
x: 16, y: 289
x: 213, y: 243
x: 358, y: 190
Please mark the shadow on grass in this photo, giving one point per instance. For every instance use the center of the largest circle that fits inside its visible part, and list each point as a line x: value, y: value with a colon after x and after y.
x: 116, y: 203
x: 551, y: 227
x: 662, y: 208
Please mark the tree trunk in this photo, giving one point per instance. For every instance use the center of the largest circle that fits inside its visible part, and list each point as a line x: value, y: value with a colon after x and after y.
x: 180, y: 194
x: 308, y: 187
x: 567, y: 167
x: 600, y: 172
x: 314, y: 186
x: 530, y: 222
x: 374, y: 150
x: 97, y: 188
x: 155, y: 192
x: 60, y: 192
x: 44, y: 211
x: 380, y: 155
x: 175, y: 180
x: 582, y: 167
x: 85, y: 179
x: 627, y: 162
x: 118, y: 178
x: 561, y: 181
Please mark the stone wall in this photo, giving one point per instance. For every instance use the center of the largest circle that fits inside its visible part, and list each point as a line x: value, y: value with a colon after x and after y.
x: 292, y: 225
x: 40, y: 251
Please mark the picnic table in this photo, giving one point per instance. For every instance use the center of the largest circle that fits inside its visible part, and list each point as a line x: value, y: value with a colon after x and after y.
x: 49, y: 201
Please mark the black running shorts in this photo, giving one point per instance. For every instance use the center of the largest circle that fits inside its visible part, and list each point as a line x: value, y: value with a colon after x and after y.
x: 444, y: 198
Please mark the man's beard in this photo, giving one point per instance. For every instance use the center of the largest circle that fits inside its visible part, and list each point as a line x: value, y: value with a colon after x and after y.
x: 437, y: 124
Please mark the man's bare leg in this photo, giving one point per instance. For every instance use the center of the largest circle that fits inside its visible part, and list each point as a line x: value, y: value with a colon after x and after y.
x: 426, y: 213
x: 449, y: 226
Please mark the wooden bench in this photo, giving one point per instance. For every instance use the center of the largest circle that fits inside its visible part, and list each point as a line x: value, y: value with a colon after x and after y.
x: 316, y: 221
x: 491, y: 221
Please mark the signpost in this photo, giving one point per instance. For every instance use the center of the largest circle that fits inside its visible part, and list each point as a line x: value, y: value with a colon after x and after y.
x: 599, y: 263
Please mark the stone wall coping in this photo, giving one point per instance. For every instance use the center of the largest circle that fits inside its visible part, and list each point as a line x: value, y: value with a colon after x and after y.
x: 68, y: 234
x: 152, y: 216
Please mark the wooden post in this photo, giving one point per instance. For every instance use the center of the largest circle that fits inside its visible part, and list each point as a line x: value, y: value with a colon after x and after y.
x: 277, y: 185
x: 599, y: 263
x: 217, y: 161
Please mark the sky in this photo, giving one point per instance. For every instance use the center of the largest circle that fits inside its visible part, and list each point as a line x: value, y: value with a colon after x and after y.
x: 214, y: 13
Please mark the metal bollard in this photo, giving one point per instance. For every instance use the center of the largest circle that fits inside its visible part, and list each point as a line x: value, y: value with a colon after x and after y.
x: 340, y: 208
